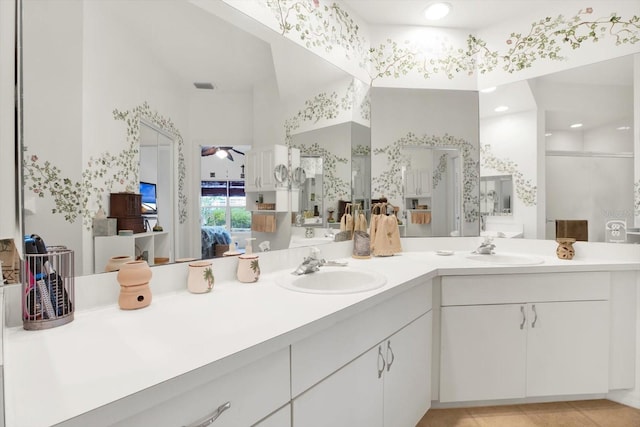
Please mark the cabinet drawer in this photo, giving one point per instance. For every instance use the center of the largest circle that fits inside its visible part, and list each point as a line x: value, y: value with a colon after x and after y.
x: 316, y: 357
x: 516, y: 288
x: 253, y: 391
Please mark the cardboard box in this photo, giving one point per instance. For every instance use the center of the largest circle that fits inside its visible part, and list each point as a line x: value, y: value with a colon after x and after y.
x: 105, y: 226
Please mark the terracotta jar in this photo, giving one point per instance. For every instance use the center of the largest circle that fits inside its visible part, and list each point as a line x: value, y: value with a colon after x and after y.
x: 115, y: 262
x: 248, y: 268
x: 134, y: 279
x: 200, y: 277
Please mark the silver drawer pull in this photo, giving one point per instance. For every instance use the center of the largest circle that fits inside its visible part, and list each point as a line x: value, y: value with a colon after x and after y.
x: 393, y: 356
x: 380, y: 359
x: 210, y: 419
x: 524, y: 318
x: 535, y: 319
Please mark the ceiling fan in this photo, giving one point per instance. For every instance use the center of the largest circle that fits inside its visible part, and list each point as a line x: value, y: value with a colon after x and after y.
x: 221, y: 152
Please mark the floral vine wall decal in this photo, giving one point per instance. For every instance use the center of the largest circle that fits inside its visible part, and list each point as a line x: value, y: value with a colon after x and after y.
x: 389, y: 181
x: 322, y: 106
x: 361, y: 150
x: 322, y: 27
x: 440, y: 170
x: 45, y: 178
x: 544, y: 41
x: 525, y: 191
x: 333, y: 187
x: 132, y: 119
x: 103, y: 174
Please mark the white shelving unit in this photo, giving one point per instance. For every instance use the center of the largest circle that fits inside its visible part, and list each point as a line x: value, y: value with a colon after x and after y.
x: 155, y: 244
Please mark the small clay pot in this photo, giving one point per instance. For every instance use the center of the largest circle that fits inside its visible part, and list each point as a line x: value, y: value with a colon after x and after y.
x: 115, y: 262
x: 134, y: 277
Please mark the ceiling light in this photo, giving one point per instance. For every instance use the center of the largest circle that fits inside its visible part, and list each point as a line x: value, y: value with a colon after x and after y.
x: 222, y: 154
x: 624, y: 128
x: 437, y: 11
x: 576, y: 125
x: 488, y: 90
x: 501, y: 108
x: 548, y: 134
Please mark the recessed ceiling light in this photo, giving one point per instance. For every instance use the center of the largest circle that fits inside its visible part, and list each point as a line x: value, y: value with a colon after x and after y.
x: 488, y: 90
x: 437, y: 11
x: 501, y: 108
x: 576, y: 125
x: 624, y: 128
x: 548, y: 134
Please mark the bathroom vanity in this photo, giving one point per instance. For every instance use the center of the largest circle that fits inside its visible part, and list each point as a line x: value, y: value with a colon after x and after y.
x: 442, y: 330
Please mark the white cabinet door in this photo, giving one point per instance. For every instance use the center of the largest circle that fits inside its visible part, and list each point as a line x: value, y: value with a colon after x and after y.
x: 483, y: 352
x: 350, y: 397
x: 418, y: 183
x: 407, y: 376
x: 568, y: 348
x: 252, y: 171
x: 267, y: 166
x: 411, y: 185
x: 423, y: 182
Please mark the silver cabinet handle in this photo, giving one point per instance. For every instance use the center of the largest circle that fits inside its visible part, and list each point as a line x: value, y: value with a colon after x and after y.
x: 393, y: 356
x: 535, y: 319
x: 524, y: 317
x: 380, y: 359
x: 211, y: 418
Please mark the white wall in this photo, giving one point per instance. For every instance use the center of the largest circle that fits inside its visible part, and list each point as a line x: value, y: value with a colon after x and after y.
x: 396, y: 112
x: 513, y: 137
x: 53, y: 111
x: 592, y: 187
x: 337, y: 140
x: 9, y: 227
x: 221, y: 118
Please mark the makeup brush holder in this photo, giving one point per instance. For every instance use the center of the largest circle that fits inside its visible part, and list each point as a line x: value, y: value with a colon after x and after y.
x: 48, y: 289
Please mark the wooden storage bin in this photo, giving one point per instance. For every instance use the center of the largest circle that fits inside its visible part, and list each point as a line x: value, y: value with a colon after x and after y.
x: 125, y: 205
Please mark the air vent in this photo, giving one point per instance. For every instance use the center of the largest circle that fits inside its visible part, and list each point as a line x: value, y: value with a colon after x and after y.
x: 202, y: 85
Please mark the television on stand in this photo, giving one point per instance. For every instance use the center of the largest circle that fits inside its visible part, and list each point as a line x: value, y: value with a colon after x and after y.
x: 149, y: 201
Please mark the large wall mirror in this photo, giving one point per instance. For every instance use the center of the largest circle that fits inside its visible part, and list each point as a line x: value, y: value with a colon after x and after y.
x: 207, y: 81
x: 143, y: 88
x: 425, y: 159
x: 566, y: 147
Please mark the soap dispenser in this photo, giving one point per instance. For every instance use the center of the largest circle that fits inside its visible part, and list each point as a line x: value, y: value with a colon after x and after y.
x: 248, y: 266
x: 233, y: 251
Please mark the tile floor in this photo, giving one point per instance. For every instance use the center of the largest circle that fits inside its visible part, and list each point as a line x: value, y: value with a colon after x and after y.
x: 583, y: 413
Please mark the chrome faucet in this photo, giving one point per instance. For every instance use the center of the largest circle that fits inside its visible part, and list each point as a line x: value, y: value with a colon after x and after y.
x: 312, y: 263
x: 486, y: 247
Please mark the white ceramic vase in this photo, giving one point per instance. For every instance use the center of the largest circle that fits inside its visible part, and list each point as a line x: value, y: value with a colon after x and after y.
x: 200, y: 277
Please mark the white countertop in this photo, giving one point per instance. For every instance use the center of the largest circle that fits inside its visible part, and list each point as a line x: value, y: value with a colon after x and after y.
x: 106, y: 354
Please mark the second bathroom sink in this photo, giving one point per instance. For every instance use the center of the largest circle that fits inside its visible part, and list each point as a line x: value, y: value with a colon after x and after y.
x: 338, y: 280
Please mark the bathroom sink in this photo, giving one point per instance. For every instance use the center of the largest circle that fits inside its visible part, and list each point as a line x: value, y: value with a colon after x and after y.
x: 332, y: 280
x: 506, y: 259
